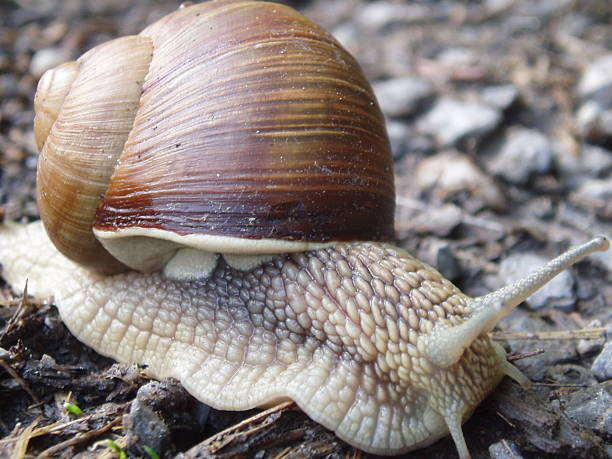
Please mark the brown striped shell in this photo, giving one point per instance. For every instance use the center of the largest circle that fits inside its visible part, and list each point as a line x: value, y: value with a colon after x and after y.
x: 228, y: 126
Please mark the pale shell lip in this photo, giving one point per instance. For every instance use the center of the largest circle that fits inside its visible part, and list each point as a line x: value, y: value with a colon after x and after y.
x: 210, y: 243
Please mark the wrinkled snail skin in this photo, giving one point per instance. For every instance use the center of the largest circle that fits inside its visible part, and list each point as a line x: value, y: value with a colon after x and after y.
x: 217, y: 202
x: 370, y: 342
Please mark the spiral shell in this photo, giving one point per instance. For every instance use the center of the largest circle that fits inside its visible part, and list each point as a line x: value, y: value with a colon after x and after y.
x: 228, y: 126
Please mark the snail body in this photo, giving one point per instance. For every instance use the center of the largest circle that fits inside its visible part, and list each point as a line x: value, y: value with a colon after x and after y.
x: 263, y: 143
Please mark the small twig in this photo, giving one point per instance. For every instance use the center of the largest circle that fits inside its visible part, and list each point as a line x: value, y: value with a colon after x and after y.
x: 85, y: 436
x: 560, y: 385
x: 524, y: 355
x: 22, y: 440
x: 21, y: 310
x: 250, y: 426
x: 506, y: 420
x: 24, y: 385
x: 582, y: 333
x: 58, y: 426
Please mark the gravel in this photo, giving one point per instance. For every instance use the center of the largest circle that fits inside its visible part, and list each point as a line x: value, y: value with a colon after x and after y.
x: 524, y: 154
x: 400, y: 97
x: 602, y: 366
x: 597, y: 76
x: 451, y: 120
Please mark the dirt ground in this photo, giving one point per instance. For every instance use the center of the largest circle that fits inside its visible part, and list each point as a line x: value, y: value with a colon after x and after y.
x: 497, y: 90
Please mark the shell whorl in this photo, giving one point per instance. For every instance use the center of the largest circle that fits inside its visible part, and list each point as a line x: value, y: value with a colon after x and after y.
x: 238, y: 120
x: 84, y: 143
x: 50, y: 94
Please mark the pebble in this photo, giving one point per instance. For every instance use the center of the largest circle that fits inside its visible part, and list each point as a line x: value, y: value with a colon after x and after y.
x: 590, y: 347
x: 404, y: 139
x: 523, y: 154
x: 497, y: 5
x: 602, y: 366
x: 594, y: 118
x: 543, y: 9
x: 458, y: 57
x: 440, y: 221
x: 144, y: 427
x: 592, y: 161
x: 448, y: 173
x: 398, y: 134
x: 382, y: 14
x: 592, y: 408
x: 346, y: 33
x: 402, y: 96
x: 447, y: 263
x: 505, y: 449
x: 500, y: 97
x: 437, y: 252
x: 47, y: 58
x: 557, y: 293
x: 452, y: 120
x: 595, y: 193
x: 597, y: 76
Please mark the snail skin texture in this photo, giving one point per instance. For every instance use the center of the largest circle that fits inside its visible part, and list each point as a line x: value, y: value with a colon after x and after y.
x: 242, y: 129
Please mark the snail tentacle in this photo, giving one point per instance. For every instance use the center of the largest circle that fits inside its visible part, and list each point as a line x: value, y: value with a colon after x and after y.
x: 445, y: 345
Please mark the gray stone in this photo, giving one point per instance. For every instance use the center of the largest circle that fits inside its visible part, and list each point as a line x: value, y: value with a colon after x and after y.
x: 597, y: 76
x: 447, y: 263
x: 592, y: 161
x: 398, y: 133
x: 556, y: 293
x: 401, y: 96
x: 448, y: 173
x: 498, y: 5
x: 451, y: 120
x: 381, y: 14
x: 595, y: 193
x: 589, y: 347
x: 404, y: 139
x: 542, y: 9
x: 505, y: 449
x: 594, y: 119
x: 500, y: 97
x: 457, y: 57
x: 346, y: 33
x: 592, y: 408
x: 524, y: 154
x: 602, y: 366
x: 438, y: 220
x: 47, y: 58
x: 144, y: 427
x: 597, y: 189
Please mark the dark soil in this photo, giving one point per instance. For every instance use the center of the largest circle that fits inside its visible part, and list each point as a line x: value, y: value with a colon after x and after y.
x: 540, y: 50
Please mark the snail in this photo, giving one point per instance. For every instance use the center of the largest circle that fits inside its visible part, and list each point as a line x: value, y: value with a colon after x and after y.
x: 217, y: 204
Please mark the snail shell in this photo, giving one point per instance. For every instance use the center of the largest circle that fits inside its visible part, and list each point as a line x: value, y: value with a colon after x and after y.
x: 230, y: 126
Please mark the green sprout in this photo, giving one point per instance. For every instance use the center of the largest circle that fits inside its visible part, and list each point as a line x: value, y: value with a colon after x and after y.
x: 73, y: 409
x: 150, y: 451
x: 115, y: 447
